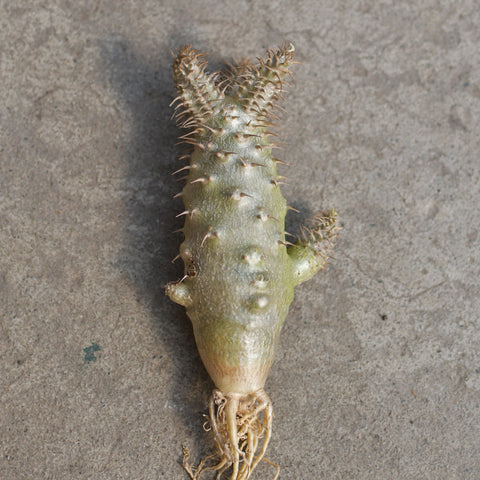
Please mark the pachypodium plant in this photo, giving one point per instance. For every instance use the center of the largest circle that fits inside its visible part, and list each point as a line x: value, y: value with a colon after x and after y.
x: 240, y: 271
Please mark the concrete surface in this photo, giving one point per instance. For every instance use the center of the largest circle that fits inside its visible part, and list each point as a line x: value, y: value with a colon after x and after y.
x: 378, y: 372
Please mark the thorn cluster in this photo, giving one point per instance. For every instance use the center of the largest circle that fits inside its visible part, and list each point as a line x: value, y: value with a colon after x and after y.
x: 256, y: 87
x: 198, y: 94
x: 320, y: 234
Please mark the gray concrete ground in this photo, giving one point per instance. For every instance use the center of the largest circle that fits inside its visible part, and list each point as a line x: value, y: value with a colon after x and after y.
x: 378, y: 371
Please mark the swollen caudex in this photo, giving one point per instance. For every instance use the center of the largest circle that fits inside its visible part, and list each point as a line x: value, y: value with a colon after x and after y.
x: 240, y: 271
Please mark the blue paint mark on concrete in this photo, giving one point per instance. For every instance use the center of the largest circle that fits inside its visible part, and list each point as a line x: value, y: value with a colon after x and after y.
x: 90, y: 353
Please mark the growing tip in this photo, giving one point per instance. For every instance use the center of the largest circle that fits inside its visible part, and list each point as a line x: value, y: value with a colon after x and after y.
x: 314, y: 245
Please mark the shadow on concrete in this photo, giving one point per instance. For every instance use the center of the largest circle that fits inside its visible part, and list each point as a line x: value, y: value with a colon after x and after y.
x: 145, y: 89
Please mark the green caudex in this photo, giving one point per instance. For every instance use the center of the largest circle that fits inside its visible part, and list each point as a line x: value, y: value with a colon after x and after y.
x: 240, y: 271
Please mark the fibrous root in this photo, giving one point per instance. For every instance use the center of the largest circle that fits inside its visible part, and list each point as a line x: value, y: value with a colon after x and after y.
x: 242, y: 427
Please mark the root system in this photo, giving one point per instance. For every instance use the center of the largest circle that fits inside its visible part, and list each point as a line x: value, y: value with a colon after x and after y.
x: 242, y: 427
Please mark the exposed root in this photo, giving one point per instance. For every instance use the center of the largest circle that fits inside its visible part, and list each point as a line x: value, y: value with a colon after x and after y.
x: 242, y: 427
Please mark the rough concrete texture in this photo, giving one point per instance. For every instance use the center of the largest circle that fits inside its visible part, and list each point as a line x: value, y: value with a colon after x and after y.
x: 378, y: 371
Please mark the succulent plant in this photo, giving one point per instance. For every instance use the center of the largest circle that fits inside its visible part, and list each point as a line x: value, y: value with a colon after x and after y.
x: 240, y: 272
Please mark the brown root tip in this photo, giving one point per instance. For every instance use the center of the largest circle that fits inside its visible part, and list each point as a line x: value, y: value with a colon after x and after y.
x: 242, y: 427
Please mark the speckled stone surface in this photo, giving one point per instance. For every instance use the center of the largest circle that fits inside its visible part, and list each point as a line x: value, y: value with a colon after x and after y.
x: 378, y: 371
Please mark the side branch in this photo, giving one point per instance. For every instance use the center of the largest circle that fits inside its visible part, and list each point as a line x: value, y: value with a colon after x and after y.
x: 198, y: 93
x: 259, y: 87
x: 314, y: 246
